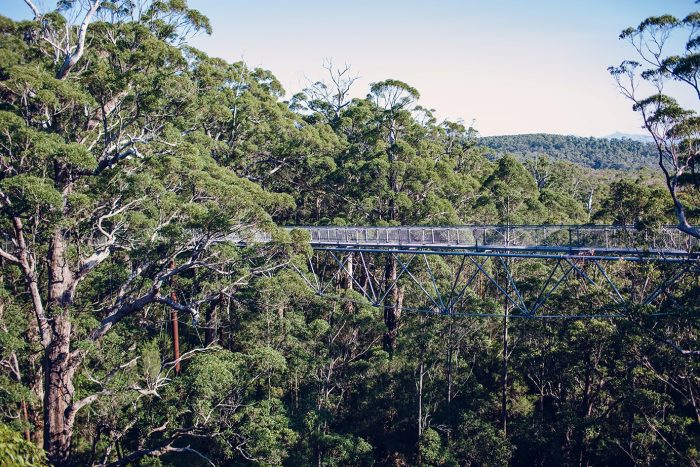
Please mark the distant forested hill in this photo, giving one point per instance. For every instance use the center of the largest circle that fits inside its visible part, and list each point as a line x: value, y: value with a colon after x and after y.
x: 598, y: 153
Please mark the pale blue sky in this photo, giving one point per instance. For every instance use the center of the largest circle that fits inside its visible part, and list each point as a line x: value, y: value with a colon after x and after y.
x: 513, y: 66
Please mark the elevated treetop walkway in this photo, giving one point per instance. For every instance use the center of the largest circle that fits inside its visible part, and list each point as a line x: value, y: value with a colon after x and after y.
x: 527, y: 265
x: 547, y: 241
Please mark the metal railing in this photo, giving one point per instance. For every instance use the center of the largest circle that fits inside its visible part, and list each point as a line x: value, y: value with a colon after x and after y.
x: 667, y: 239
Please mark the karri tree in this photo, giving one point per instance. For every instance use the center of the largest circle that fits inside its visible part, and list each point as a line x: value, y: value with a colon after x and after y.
x: 105, y: 171
x: 393, y: 99
x: 674, y: 128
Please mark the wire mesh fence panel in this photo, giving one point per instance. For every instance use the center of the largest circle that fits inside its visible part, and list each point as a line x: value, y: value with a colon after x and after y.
x: 547, y: 237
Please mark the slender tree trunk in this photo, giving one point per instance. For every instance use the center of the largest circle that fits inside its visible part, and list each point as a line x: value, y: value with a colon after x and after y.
x: 421, y: 370
x: 15, y: 369
x: 585, y: 409
x: 176, y: 329
x: 504, y: 372
x: 347, y: 282
x: 36, y: 363
x: 24, y: 413
x: 693, y: 399
x: 211, y: 332
x: 349, y: 266
x: 25, y: 419
x: 176, y: 340
x: 630, y: 409
x: 504, y: 363
x: 392, y: 314
x: 392, y: 307
x: 449, y: 369
x: 421, y: 373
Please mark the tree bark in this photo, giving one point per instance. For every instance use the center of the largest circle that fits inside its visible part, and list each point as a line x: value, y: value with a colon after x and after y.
x: 421, y: 374
x: 504, y: 363
x: 58, y: 392
x: 176, y: 340
x: 58, y: 368
x: 585, y: 409
x: 349, y: 266
x: 449, y: 368
x: 72, y: 58
x: 504, y: 370
x: 176, y: 329
x: 211, y: 332
x: 392, y: 306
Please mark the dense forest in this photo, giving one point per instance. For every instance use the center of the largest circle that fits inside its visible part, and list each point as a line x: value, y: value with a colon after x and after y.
x: 597, y: 153
x: 127, y: 158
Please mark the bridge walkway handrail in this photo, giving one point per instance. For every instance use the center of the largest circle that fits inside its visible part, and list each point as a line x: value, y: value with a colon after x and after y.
x: 666, y: 239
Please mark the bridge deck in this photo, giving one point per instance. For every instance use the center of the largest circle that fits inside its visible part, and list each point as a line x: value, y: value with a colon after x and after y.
x: 575, y: 256
x: 619, y: 242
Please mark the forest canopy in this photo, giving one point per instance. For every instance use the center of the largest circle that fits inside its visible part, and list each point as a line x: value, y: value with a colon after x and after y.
x: 596, y: 153
x: 128, y: 161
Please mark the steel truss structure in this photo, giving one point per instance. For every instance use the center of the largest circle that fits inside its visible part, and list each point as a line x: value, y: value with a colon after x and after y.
x: 442, y: 269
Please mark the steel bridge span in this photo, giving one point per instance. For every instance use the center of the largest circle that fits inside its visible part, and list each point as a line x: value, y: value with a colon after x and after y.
x: 442, y: 270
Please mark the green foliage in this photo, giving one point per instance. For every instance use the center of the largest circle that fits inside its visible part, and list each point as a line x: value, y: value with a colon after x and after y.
x: 28, y: 194
x: 509, y: 195
x: 675, y: 129
x: 635, y: 202
x: 16, y: 451
x: 479, y: 443
x: 149, y: 156
x: 596, y: 153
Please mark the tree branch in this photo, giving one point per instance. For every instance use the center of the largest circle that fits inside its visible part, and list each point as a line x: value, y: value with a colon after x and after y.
x: 124, y: 310
x: 34, y: 9
x: 28, y: 268
x: 8, y: 256
x: 72, y: 58
x: 157, y: 452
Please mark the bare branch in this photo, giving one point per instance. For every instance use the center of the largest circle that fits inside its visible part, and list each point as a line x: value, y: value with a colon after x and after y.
x: 157, y: 452
x: 72, y: 58
x: 124, y: 310
x: 28, y: 268
x: 34, y: 9
x: 9, y: 257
